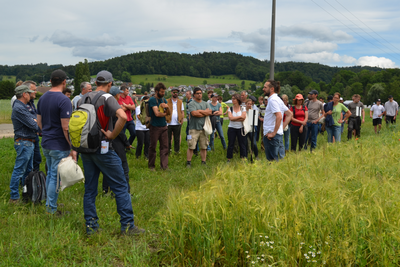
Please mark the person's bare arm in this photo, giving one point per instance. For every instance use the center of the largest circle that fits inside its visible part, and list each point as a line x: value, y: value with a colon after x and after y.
x: 119, y: 125
x: 278, y: 121
x: 64, y: 125
x: 157, y: 113
x: 289, y: 116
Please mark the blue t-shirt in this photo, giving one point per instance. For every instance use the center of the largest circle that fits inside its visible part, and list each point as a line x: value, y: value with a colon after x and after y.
x: 54, y: 106
x: 215, y: 108
x: 156, y: 121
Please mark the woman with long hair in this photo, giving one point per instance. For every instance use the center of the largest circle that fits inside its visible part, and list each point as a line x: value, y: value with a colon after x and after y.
x: 249, y: 106
x: 235, y: 128
x: 298, y: 124
x: 337, y: 116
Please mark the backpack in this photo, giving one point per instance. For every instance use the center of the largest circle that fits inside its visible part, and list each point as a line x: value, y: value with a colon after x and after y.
x: 144, y: 114
x: 294, y: 110
x: 34, y: 187
x: 84, y: 128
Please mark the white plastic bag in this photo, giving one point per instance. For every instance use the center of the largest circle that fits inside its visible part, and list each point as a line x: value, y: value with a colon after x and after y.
x: 68, y: 174
x: 207, y: 126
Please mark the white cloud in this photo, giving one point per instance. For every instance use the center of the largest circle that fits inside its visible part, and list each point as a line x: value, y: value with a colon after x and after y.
x: 374, y: 61
x: 318, y: 32
x: 67, y: 39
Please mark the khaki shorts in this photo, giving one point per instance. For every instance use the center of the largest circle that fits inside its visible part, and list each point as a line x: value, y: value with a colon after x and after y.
x: 198, y: 135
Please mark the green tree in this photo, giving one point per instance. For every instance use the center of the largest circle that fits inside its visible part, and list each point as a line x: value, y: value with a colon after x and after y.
x: 205, y: 97
x: 226, y: 96
x: 205, y: 82
x: 126, y: 77
x: 377, y: 91
x: 287, y: 90
x: 78, y: 78
x: 6, y: 89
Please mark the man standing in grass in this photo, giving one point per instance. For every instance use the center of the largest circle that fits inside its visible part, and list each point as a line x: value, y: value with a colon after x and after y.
x: 128, y: 106
x: 175, y: 120
x: 158, y: 109
x: 106, y: 161
x: 54, y: 110
x: 273, y: 120
x: 376, y: 114
x: 315, y: 108
x: 391, y: 110
x: 357, y: 110
x: 85, y: 88
x: 198, y: 110
x: 25, y: 132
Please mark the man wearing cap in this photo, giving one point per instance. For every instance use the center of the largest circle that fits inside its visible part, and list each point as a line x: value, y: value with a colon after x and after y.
x: 391, y: 110
x: 54, y: 110
x: 85, y: 88
x: 128, y: 106
x: 376, y: 113
x: 175, y: 120
x: 25, y: 132
x: 158, y: 110
x: 357, y: 110
x: 315, y: 108
x: 107, y: 161
x: 37, y: 157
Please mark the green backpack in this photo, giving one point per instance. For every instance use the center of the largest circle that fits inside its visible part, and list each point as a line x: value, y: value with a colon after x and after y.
x: 144, y: 113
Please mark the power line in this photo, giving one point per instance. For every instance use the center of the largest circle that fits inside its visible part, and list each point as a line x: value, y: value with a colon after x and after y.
x: 362, y: 29
x: 351, y: 29
x: 366, y: 25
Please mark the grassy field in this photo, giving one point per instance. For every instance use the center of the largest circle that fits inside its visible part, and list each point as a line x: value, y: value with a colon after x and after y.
x: 9, y: 78
x: 337, y: 206
x: 187, y: 80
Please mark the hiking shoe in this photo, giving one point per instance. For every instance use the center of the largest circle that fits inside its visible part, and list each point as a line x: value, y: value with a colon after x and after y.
x: 188, y: 165
x: 203, y: 163
x: 133, y: 231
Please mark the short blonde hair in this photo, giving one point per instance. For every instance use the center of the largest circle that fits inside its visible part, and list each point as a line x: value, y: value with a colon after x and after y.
x: 285, y: 97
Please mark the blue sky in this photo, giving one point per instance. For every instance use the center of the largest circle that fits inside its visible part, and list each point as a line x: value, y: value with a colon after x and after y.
x: 331, y: 32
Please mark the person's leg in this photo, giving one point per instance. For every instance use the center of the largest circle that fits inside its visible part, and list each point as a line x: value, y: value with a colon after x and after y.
x: 329, y: 131
x: 203, y: 144
x: 231, y: 143
x: 272, y: 148
x: 308, y: 134
x: 92, y: 173
x: 140, y: 141
x: 314, y: 134
x: 242, y: 143
x: 130, y: 125
x: 350, y: 128
x: 25, y: 150
x: 146, y: 144
x: 125, y: 167
x: 37, y: 158
x: 212, y: 137
x: 255, y: 148
x: 170, y: 137
x: 294, y: 134
x: 337, y: 132
x: 177, y: 138
x: 51, y: 179
x: 187, y: 127
x: 111, y: 166
x: 218, y: 126
x: 358, y: 127
x: 286, y: 135
x: 163, y: 138
x: 302, y: 138
x: 154, y: 136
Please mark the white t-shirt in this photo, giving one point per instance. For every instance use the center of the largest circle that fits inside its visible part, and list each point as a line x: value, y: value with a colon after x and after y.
x: 235, y: 124
x: 377, y: 110
x: 275, y: 104
x: 139, y: 126
x: 13, y: 100
x: 174, y: 117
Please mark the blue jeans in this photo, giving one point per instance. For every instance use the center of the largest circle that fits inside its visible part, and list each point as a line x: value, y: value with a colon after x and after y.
x: 272, y: 147
x: 37, y: 158
x: 218, y: 127
x: 53, y: 157
x: 22, y: 167
x: 286, y: 137
x: 337, y: 133
x: 312, y: 129
x: 130, y: 125
x: 111, y: 167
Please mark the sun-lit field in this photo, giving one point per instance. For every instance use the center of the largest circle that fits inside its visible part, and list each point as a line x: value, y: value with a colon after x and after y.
x: 335, y: 207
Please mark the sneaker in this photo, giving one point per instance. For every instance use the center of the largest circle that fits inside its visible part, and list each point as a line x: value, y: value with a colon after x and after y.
x: 188, y: 165
x: 133, y: 231
x: 203, y: 163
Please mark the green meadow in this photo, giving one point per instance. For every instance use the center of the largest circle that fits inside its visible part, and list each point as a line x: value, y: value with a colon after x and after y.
x: 9, y: 78
x: 338, y: 206
x: 187, y: 80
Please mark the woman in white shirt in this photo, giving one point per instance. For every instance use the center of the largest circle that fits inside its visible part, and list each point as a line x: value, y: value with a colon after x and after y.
x: 142, y: 134
x: 235, y: 128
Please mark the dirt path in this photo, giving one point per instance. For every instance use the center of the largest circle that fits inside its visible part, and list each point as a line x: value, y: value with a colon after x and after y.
x: 6, y: 130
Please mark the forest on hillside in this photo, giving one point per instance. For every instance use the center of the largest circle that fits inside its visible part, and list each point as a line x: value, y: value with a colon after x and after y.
x: 295, y: 77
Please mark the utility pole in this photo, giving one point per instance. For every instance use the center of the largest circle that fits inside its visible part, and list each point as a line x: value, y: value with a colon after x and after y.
x: 272, y: 51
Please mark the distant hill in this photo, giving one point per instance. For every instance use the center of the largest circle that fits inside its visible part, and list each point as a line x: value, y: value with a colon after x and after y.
x: 203, y: 65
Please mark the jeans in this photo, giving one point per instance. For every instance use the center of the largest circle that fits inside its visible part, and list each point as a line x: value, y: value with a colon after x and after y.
x: 337, y: 133
x: 125, y: 167
x: 53, y: 157
x: 218, y: 127
x: 174, y: 130
x: 22, y: 167
x: 272, y: 147
x: 111, y: 167
x: 286, y: 135
x: 130, y: 125
x: 143, y: 138
x: 312, y: 129
x: 232, y: 135
x: 37, y: 158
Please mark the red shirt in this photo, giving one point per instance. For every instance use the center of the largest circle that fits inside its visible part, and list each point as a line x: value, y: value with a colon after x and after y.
x: 127, y: 100
x: 299, y: 114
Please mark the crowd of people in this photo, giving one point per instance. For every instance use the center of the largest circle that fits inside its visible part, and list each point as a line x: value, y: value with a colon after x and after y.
x: 158, y: 120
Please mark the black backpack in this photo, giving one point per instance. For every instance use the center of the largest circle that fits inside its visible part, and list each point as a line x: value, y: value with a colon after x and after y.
x: 294, y: 110
x: 34, y: 187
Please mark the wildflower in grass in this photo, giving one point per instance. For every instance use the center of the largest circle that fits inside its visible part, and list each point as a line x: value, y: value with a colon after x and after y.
x: 326, y: 243
x: 310, y: 246
x: 271, y: 242
x: 266, y: 236
x: 248, y: 256
x: 260, y: 235
x: 324, y: 262
x: 258, y: 258
x: 319, y: 252
x: 308, y: 261
x: 246, y: 252
x: 263, y: 255
x: 305, y: 255
x: 298, y: 234
x: 262, y: 259
x: 314, y: 261
x: 253, y: 262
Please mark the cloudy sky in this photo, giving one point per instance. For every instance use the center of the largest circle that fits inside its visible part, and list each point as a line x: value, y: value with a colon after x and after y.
x: 331, y: 32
